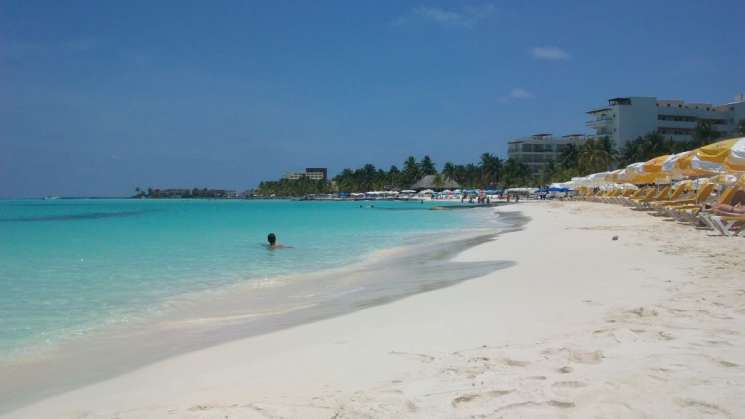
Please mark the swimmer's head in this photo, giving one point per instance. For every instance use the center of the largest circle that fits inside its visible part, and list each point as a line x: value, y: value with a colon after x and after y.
x: 271, y: 238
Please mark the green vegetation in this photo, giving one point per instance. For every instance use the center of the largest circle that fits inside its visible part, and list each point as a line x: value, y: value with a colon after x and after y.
x: 491, y: 172
x: 299, y: 187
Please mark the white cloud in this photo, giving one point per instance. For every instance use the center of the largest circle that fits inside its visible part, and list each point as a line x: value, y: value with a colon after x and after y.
x: 518, y: 93
x: 549, y: 53
x: 441, y: 16
x: 465, y: 16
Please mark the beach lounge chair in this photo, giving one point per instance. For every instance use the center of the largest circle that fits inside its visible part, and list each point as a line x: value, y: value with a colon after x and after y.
x: 676, y: 194
x: 690, y: 213
x: 620, y: 198
x: 703, y: 193
x: 727, y: 216
x: 637, y: 194
x: 611, y: 196
x: 731, y: 225
x: 662, y: 195
x: 648, y: 195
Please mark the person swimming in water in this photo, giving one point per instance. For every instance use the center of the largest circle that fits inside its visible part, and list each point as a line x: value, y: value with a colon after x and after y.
x: 272, y: 239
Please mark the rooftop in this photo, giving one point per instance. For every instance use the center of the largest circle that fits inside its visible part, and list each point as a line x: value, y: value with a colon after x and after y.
x: 596, y: 110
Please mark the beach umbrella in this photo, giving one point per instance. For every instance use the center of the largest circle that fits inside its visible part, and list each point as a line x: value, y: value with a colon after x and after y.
x: 691, y: 164
x: 735, y: 161
x: 723, y: 179
x: 728, y: 154
x: 622, y: 175
x: 654, y: 165
x: 636, y: 174
x: 632, y: 176
x: 598, y: 179
x: 614, y: 175
x: 671, y: 165
x: 716, y: 152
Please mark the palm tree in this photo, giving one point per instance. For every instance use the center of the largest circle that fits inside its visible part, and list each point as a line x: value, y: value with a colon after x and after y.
x: 410, y: 173
x: 491, y: 168
x: 367, y: 175
x: 704, y: 133
x: 394, y: 177
x: 569, y: 157
x: 594, y: 156
x: 427, y: 166
x: 448, y: 170
x: 515, y: 173
x: 548, y: 173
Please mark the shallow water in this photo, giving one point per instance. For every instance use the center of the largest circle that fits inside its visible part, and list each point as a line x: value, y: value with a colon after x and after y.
x: 68, y: 267
x: 139, y: 290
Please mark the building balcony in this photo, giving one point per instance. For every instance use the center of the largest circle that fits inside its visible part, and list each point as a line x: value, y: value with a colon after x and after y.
x: 676, y: 124
x: 599, y: 122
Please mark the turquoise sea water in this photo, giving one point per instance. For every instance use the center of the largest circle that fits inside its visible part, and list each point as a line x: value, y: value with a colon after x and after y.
x: 71, y: 266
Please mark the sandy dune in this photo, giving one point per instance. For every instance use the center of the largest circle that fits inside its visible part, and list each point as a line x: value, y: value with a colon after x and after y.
x: 649, y: 325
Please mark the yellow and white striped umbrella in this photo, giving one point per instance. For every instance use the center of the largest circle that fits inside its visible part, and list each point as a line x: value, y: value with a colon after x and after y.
x: 735, y: 161
x: 636, y: 173
x: 690, y: 164
x: 728, y: 153
x: 655, y: 165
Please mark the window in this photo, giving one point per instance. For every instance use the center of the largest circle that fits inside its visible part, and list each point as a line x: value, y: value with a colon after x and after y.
x: 679, y: 118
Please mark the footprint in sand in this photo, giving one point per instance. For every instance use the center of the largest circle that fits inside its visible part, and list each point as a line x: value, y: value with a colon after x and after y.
x: 703, y: 407
x: 467, y: 398
x: 580, y: 357
x: 722, y: 362
x: 527, y: 405
x: 568, y: 384
x: 515, y: 363
x: 594, y: 357
x: 665, y: 335
x: 418, y: 357
x: 644, y: 312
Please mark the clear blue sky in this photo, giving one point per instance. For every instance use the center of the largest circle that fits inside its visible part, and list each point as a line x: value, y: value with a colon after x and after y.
x: 99, y: 97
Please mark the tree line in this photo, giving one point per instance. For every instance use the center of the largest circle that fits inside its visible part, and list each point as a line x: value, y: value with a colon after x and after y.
x: 491, y: 172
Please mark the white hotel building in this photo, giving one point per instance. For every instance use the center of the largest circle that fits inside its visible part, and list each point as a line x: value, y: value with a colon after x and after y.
x: 626, y: 118
x: 538, y: 150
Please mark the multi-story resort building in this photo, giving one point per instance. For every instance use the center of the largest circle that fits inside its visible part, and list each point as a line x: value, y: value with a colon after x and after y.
x: 312, y: 173
x: 627, y: 118
x: 536, y: 151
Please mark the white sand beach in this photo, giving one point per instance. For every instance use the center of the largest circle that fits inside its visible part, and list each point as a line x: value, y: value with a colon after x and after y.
x: 649, y: 325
